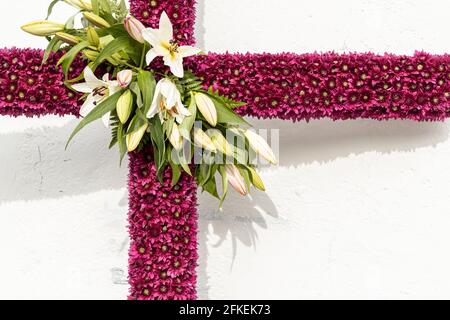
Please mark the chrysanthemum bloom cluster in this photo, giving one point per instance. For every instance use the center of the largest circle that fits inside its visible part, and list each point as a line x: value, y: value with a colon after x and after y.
x: 180, y: 12
x: 31, y: 89
x: 163, y: 230
x: 349, y: 86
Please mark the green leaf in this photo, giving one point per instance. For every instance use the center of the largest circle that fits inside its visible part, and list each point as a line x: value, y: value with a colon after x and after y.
x: 188, y: 123
x: 168, y: 127
x: 116, y: 45
x: 245, y: 174
x: 99, y: 111
x: 114, y: 121
x: 67, y: 59
x: 95, y: 7
x: 230, y: 103
x: 117, y: 30
x: 226, y: 115
x: 159, y: 146
x: 123, y: 6
x: 147, y: 84
x: 224, y: 175
x: 121, y: 141
x: 184, y: 163
x: 134, y: 87
x: 105, y: 6
x: 176, y: 172
x: 211, y: 188
x: 135, y: 124
x: 71, y: 21
x: 50, y: 8
x: 53, y: 46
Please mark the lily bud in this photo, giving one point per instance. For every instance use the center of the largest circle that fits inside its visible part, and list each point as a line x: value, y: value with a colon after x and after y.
x: 256, y: 180
x: 90, y: 54
x: 124, y: 106
x: 93, y: 37
x: 134, y: 28
x: 133, y: 139
x: 67, y: 38
x: 260, y: 146
x: 43, y: 28
x: 96, y: 20
x: 124, y: 78
x: 202, y: 140
x: 207, y: 108
x: 176, y: 139
x: 236, y: 179
x: 81, y: 4
x: 220, y: 142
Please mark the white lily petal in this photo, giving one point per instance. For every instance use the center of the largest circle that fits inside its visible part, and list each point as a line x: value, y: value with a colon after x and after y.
x: 91, y: 80
x: 187, y: 51
x: 165, y: 27
x: 82, y: 87
x: 152, y: 36
x: 170, y: 92
x: 155, y: 103
x: 152, y: 112
x: 105, y: 77
x: 106, y: 119
x: 88, y: 105
x: 175, y: 64
x: 151, y: 55
x: 113, y: 87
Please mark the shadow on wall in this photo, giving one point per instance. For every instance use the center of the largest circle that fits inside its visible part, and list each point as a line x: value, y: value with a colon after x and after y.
x: 302, y: 144
x: 35, y: 165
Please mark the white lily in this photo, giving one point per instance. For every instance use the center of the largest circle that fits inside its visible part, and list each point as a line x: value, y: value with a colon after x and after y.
x: 164, y: 45
x: 167, y: 102
x: 98, y: 91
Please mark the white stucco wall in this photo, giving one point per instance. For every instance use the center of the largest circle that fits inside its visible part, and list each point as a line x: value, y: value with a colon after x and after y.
x: 356, y: 209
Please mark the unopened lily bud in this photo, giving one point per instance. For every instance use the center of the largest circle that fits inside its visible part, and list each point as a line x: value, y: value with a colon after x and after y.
x: 133, y: 139
x: 176, y: 139
x: 236, y: 179
x: 260, y: 146
x: 81, y: 4
x: 207, y: 108
x: 220, y: 142
x: 43, y: 28
x: 124, y: 106
x: 96, y: 20
x: 92, y: 36
x: 256, y: 180
x: 124, y: 78
x: 90, y: 54
x: 134, y: 28
x: 202, y: 140
x: 67, y: 38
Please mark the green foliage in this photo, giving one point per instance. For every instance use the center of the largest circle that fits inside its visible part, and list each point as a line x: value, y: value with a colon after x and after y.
x: 116, y: 51
x: 147, y: 85
x: 108, y: 105
x: 67, y: 59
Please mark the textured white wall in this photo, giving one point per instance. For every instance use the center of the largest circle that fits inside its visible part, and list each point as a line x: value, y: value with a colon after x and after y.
x: 357, y: 209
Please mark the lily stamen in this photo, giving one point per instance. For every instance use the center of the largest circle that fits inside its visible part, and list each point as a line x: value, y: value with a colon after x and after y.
x: 100, y: 91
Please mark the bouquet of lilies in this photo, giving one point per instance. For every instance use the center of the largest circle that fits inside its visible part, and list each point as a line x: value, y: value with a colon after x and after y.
x: 172, y: 110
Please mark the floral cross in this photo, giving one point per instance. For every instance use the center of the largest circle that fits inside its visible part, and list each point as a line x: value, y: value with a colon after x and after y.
x: 163, y: 218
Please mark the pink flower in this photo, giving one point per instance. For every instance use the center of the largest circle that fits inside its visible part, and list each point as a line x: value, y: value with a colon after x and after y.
x: 134, y: 27
x: 124, y: 78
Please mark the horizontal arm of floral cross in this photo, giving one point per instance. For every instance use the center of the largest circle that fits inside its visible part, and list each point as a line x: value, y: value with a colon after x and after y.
x: 285, y: 86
